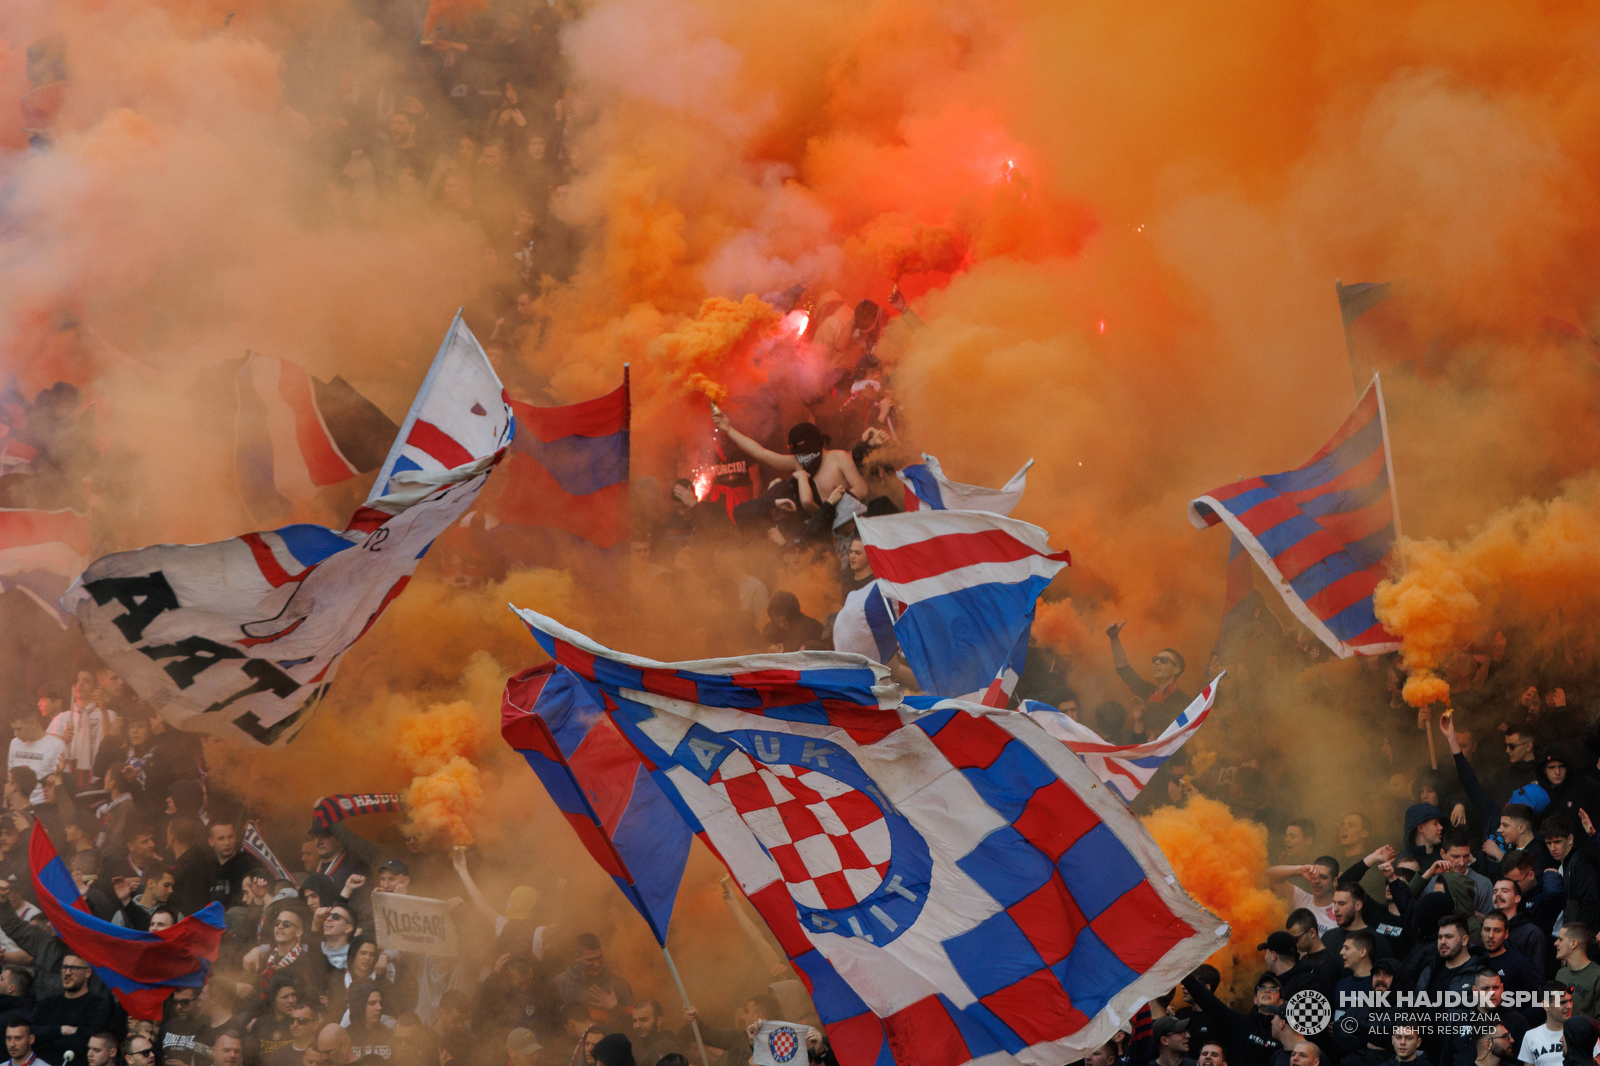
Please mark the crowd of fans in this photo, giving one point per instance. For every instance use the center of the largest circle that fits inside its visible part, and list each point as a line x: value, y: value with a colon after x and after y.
x: 1483, y: 876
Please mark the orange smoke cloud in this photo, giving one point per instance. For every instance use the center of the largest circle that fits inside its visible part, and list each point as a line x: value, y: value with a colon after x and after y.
x: 692, y: 353
x: 901, y: 245
x: 1221, y: 861
x: 1534, y: 566
x: 447, y: 792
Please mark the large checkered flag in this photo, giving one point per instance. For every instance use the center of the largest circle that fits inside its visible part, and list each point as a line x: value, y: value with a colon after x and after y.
x: 951, y: 883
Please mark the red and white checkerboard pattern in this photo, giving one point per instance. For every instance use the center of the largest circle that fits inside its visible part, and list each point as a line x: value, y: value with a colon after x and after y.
x: 829, y: 840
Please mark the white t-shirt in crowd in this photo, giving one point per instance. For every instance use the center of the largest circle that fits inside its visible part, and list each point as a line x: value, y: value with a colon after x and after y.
x: 1541, y: 1046
x: 1324, y: 915
x: 43, y: 757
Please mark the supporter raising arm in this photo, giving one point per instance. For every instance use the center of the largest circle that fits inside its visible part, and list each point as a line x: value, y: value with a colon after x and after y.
x: 828, y: 468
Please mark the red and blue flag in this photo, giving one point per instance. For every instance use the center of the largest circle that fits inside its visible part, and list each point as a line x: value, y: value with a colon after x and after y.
x: 141, y: 968
x: 601, y: 785
x: 568, y: 469
x: 961, y: 588
x: 949, y: 882
x: 1323, y: 533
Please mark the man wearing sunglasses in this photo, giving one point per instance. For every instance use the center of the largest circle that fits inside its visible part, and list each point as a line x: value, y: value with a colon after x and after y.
x: 1162, y: 698
x: 138, y: 1051
x: 66, y: 1022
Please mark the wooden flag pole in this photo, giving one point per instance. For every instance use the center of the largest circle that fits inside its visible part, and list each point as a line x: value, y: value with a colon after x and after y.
x: 693, y: 1022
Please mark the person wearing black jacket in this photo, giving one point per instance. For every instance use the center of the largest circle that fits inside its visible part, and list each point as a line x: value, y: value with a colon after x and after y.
x: 1248, y: 1037
x: 65, y: 1022
x: 1461, y: 1049
x: 1571, y: 794
x: 193, y: 866
x: 1322, y: 966
x: 1517, y: 973
x: 1453, y: 969
x: 1578, y: 874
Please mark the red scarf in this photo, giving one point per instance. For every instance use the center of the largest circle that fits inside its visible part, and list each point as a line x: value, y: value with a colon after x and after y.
x: 270, y: 968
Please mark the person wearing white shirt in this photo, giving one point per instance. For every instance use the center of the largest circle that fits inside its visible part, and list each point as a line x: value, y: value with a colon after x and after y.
x: 1541, y: 1045
x: 32, y: 747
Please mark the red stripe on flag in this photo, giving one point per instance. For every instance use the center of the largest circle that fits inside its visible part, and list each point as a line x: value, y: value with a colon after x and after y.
x: 271, y: 569
x: 1349, y: 589
x: 1357, y: 476
x: 1238, y: 488
x: 940, y: 555
x: 1366, y: 410
x: 1376, y: 635
x: 1268, y: 514
x: 533, y: 497
x: 438, y: 444
x: 1298, y: 558
x: 599, y: 417
x: 323, y: 461
x: 1359, y: 525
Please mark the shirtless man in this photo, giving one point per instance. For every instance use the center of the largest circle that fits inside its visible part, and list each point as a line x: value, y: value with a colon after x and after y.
x: 828, y: 469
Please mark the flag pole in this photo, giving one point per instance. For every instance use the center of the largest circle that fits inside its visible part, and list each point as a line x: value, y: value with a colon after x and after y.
x: 673, y: 968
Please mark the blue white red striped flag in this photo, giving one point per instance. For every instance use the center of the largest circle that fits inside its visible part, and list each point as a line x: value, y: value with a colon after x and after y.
x: 928, y: 489
x: 242, y: 638
x: 1323, y: 533
x: 951, y: 884
x: 1125, y: 768
x: 961, y: 587
x: 141, y: 968
x: 568, y: 468
x: 600, y: 784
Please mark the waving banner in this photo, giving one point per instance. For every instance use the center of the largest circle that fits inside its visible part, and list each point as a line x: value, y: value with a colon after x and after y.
x: 241, y: 638
x: 950, y: 883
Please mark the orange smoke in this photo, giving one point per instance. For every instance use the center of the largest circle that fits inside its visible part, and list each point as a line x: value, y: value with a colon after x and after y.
x: 691, y: 354
x: 1221, y: 861
x: 453, y: 14
x: 447, y: 793
x: 1534, y: 566
x: 901, y: 245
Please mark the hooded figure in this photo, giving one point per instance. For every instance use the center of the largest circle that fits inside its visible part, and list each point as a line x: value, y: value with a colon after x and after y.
x: 614, y: 1050
x: 1577, y: 1041
x: 1572, y: 792
x: 1419, y: 814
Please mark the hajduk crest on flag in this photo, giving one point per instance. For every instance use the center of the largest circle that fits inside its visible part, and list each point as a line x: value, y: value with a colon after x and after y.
x: 928, y: 489
x: 1125, y: 768
x: 961, y: 587
x: 1323, y: 533
x: 950, y: 883
x: 241, y: 638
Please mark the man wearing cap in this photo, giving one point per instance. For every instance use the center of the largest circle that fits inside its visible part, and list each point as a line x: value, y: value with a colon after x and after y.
x: 521, y: 1048
x: 1172, y: 1041
x: 394, y: 876
x: 1248, y: 1036
x: 1281, y: 952
x: 827, y: 469
x: 1424, y: 830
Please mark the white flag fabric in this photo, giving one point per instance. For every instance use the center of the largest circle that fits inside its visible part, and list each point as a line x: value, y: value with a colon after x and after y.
x: 927, y: 487
x: 241, y: 638
x: 1125, y: 768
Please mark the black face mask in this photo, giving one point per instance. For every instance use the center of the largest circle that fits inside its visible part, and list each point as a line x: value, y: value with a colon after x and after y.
x: 810, y: 462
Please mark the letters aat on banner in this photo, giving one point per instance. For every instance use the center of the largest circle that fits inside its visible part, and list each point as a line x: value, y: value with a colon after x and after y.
x: 414, y: 923
x: 242, y: 638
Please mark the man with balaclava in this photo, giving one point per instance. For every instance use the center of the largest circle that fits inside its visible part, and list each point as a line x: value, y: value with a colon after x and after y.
x: 825, y: 468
